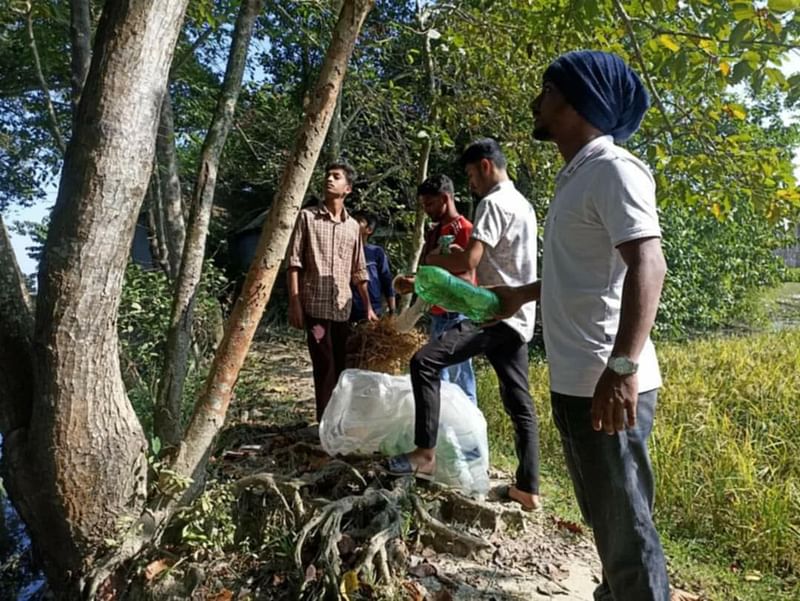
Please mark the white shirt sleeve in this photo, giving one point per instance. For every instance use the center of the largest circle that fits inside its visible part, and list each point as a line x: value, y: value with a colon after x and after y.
x: 625, y: 199
x: 490, y: 222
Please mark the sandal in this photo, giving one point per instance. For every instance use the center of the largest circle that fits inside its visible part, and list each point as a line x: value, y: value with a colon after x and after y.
x: 502, y: 494
x: 400, y: 465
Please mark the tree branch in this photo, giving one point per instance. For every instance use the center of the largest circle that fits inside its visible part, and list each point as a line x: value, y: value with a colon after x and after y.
x: 638, y: 51
x: 80, y: 31
x: 37, y: 63
x: 189, y: 53
x: 700, y: 36
x: 212, y: 406
x: 167, y: 418
x: 16, y: 332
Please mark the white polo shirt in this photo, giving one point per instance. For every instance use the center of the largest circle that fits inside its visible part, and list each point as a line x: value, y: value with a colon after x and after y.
x: 506, y: 224
x: 604, y: 197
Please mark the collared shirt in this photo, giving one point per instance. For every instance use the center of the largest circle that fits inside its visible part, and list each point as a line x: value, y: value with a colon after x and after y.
x: 506, y: 225
x: 604, y: 197
x: 380, y: 283
x: 329, y: 255
x: 461, y: 230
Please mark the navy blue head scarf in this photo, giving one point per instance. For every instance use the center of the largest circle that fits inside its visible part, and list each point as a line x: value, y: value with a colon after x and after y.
x: 603, y: 89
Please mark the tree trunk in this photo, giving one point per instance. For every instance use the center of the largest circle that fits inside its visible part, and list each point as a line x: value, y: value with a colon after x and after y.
x: 335, y: 134
x: 170, y: 186
x: 77, y: 472
x: 211, y: 408
x: 167, y: 418
x: 154, y: 208
x: 80, y: 33
x: 16, y: 332
x: 418, y: 236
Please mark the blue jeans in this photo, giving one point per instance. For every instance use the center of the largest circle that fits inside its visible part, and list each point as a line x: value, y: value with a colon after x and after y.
x: 462, y: 373
x: 613, y: 481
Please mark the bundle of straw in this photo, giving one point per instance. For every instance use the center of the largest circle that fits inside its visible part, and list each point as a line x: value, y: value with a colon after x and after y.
x: 378, y: 346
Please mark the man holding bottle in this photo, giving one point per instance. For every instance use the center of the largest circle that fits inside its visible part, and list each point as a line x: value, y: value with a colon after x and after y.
x: 502, y: 249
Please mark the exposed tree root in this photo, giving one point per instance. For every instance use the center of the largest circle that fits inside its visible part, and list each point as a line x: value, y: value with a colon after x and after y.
x: 465, y: 544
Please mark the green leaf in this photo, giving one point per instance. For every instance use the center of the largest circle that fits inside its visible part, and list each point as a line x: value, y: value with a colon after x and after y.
x: 668, y: 42
x: 782, y: 6
x: 741, y: 70
x: 742, y: 29
x: 743, y: 10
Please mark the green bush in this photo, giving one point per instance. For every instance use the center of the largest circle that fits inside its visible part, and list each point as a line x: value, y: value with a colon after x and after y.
x: 715, y: 268
x: 725, y: 448
x: 142, y: 325
x: 791, y: 274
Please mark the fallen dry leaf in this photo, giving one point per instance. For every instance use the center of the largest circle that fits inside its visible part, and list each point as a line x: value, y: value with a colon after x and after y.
x: 568, y: 525
x: 154, y: 568
x: 311, y: 572
x: 415, y: 591
x: 223, y: 595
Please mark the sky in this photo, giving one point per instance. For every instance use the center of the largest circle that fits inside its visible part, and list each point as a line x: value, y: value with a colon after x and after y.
x: 39, y: 211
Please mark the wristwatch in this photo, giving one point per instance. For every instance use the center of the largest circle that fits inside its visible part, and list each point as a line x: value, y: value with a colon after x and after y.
x: 622, y: 366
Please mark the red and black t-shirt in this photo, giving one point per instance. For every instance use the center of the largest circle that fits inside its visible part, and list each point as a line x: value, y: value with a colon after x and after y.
x: 461, y: 229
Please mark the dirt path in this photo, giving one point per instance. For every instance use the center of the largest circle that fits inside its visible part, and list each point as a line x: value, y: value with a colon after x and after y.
x: 540, y: 557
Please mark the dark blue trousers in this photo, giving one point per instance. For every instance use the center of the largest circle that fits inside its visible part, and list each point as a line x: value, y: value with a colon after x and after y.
x: 613, y: 481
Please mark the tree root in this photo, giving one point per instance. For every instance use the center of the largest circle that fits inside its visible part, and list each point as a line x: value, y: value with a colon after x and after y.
x: 466, y: 544
x: 392, y: 506
x: 328, y: 525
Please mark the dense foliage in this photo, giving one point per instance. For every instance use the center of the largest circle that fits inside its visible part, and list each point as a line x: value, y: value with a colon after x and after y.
x: 447, y: 72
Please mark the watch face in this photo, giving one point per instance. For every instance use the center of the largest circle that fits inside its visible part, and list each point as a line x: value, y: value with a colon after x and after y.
x: 622, y: 366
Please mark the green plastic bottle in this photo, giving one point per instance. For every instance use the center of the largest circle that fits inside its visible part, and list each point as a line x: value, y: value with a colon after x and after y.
x: 440, y: 287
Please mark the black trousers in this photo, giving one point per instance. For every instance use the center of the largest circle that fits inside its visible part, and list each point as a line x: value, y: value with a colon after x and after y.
x: 326, y: 344
x: 508, y: 355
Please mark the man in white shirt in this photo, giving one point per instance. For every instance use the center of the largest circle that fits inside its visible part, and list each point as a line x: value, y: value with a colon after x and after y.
x: 503, y: 250
x: 601, y: 282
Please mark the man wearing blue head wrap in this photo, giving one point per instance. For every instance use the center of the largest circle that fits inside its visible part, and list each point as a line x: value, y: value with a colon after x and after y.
x: 601, y: 282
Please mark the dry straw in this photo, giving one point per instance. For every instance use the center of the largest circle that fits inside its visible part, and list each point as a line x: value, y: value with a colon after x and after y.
x: 378, y: 346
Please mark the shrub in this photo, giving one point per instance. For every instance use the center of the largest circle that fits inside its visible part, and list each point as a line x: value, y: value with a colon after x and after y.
x: 142, y: 325
x: 715, y: 267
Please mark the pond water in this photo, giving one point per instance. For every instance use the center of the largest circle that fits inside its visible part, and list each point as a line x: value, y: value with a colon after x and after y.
x: 20, y: 578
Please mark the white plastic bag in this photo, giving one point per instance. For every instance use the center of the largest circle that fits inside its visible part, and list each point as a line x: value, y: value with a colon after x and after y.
x: 373, y: 412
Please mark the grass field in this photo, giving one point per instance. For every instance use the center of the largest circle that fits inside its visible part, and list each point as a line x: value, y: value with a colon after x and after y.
x: 726, y: 450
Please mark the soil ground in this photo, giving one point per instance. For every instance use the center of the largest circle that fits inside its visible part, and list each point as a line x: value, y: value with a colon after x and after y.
x: 538, y: 557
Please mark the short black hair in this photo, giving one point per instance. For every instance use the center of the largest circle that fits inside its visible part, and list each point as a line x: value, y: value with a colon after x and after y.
x: 484, y: 148
x: 349, y: 171
x: 435, y: 185
x: 369, y: 218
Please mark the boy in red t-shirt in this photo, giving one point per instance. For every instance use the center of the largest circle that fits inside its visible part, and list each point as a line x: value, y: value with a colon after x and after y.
x: 437, y: 197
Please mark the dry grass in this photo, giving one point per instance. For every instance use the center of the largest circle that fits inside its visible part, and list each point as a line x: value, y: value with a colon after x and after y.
x: 378, y: 346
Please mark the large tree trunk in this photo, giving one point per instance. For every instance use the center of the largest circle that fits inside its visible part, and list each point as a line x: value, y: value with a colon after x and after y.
x: 77, y: 472
x: 167, y: 419
x: 211, y: 408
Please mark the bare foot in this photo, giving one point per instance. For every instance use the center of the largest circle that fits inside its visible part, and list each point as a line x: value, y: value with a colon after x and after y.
x: 529, y: 501
x: 423, y: 460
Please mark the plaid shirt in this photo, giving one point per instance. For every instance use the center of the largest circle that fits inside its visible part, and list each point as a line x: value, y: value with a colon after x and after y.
x: 329, y: 255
